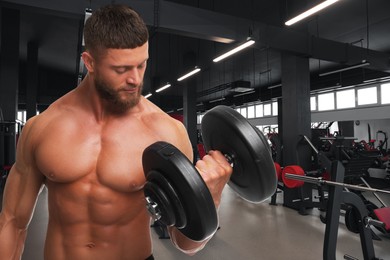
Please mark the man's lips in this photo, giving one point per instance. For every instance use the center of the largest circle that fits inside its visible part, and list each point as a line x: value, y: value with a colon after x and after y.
x: 130, y: 90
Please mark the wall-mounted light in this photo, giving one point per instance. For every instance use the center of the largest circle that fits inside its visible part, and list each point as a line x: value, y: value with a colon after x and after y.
x: 163, y: 87
x: 311, y: 11
x: 189, y: 74
x: 148, y: 95
x: 363, y: 64
x: 246, y: 44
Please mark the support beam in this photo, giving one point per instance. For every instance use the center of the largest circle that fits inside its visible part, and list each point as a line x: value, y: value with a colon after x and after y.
x: 9, y: 83
x: 189, y: 103
x: 32, y: 79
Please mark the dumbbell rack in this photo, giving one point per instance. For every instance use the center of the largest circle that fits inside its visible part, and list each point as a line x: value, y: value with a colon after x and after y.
x: 337, y: 197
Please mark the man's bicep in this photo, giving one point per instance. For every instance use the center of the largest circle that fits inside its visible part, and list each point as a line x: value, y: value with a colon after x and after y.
x: 20, y: 195
x: 184, y: 143
x: 23, y: 184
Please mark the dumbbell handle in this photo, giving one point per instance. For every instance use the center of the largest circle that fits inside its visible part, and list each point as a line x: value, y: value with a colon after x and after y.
x: 230, y: 159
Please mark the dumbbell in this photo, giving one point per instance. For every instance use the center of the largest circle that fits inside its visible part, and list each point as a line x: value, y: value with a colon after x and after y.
x: 177, y: 195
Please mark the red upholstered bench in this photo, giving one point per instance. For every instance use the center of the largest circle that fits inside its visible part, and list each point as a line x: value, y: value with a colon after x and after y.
x: 383, y: 214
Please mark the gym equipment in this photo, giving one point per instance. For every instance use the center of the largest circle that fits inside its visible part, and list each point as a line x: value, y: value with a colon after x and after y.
x: 176, y: 193
x: 360, y: 221
x: 320, y: 180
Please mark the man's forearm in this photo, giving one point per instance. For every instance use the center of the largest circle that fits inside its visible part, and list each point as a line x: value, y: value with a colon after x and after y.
x: 184, y: 244
x: 11, y: 240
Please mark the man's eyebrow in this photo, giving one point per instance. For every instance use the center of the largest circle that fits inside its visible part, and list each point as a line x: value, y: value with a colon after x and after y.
x: 129, y: 66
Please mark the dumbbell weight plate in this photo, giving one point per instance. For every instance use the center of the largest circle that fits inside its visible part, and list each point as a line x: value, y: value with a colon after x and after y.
x: 254, y: 177
x: 190, y: 195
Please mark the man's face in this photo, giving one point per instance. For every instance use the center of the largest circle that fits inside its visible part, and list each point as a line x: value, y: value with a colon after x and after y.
x: 119, y: 77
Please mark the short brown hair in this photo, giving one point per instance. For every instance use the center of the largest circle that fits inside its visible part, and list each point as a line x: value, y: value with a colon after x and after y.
x: 114, y: 26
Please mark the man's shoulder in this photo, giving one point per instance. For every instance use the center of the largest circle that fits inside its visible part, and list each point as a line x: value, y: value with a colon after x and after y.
x: 155, y: 115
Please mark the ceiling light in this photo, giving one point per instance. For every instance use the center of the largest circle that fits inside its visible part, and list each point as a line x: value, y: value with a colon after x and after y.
x: 248, y: 43
x: 377, y: 79
x: 148, y: 95
x: 240, y: 89
x: 344, y: 69
x: 311, y: 11
x: 275, y: 86
x: 217, y: 100
x: 245, y: 93
x: 196, y: 70
x: 163, y: 87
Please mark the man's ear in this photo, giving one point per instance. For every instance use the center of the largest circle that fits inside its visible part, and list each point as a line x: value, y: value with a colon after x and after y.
x: 88, y: 61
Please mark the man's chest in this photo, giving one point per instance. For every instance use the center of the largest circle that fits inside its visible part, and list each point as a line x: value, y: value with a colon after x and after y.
x: 111, y: 159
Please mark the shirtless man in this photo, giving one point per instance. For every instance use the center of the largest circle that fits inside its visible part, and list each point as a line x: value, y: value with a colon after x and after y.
x: 86, y: 149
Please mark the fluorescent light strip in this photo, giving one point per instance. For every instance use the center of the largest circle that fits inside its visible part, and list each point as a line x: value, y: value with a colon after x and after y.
x: 344, y: 69
x: 311, y: 11
x: 216, y: 100
x: 148, y: 95
x: 163, y: 87
x: 377, y: 79
x: 196, y: 70
x: 245, y: 93
x: 237, y: 49
x: 275, y: 86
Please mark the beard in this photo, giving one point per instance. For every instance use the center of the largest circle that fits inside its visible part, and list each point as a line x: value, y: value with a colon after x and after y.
x: 117, y: 100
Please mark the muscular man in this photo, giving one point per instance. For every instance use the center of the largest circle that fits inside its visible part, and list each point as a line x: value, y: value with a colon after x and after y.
x: 86, y: 149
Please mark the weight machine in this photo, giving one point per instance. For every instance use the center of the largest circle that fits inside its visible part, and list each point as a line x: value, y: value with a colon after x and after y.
x: 336, y: 198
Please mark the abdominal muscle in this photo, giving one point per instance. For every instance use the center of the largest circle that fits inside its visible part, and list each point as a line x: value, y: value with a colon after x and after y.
x: 90, y: 221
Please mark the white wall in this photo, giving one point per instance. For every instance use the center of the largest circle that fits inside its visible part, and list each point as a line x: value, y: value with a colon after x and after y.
x: 361, y: 130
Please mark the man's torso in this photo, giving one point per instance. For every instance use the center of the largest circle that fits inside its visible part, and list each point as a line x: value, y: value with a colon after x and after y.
x: 95, y: 178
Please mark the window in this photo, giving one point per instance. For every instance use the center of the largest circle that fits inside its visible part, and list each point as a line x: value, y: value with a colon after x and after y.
x: 243, y: 111
x: 267, y: 109
x: 199, y: 118
x: 313, y: 103
x: 251, y: 112
x: 274, y: 108
x: 385, y: 93
x: 22, y: 116
x: 326, y: 101
x: 345, y: 98
x: 366, y: 96
x: 259, y: 110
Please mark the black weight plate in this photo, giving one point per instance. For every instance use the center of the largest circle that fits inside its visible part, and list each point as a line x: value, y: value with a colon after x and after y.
x: 158, y: 195
x: 352, y: 220
x: 254, y: 177
x: 189, y: 186
x: 179, y: 217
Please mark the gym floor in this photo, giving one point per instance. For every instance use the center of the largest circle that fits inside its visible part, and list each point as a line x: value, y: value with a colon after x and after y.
x: 248, y: 231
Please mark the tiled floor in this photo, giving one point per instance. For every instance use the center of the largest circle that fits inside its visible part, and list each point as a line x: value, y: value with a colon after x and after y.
x: 248, y: 231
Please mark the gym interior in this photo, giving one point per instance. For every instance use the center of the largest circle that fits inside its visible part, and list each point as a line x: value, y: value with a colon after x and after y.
x: 316, y: 94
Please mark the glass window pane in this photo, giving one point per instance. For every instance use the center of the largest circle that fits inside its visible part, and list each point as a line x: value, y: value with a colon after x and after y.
x: 345, y: 98
x: 313, y: 103
x: 385, y: 93
x: 275, y: 108
x: 238, y: 110
x: 251, y: 112
x: 326, y: 101
x: 267, y: 109
x: 259, y: 111
x: 243, y: 112
x: 367, y: 96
